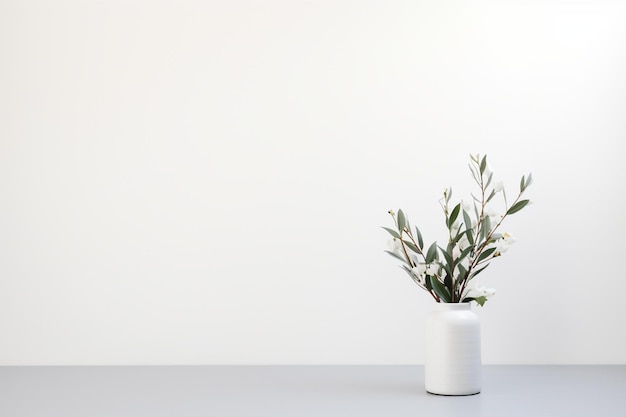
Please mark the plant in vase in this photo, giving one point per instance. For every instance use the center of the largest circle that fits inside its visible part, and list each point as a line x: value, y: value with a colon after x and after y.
x: 446, y: 273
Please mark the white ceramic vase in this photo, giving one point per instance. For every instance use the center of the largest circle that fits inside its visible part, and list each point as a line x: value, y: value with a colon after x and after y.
x: 453, y: 364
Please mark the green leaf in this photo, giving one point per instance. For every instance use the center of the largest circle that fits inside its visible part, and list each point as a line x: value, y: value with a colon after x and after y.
x: 420, y: 241
x: 480, y: 300
x: 428, y: 283
x: 449, y: 261
x: 468, y: 226
x: 392, y: 232
x: 493, y: 193
x: 485, y: 254
x: 522, y: 185
x: 440, y: 289
x: 454, y: 215
x: 485, y: 227
x: 447, y: 281
x: 517, y: 206
x: 489, y: 180
x: 448, y: 194
x: 470, y: 236
x: 478, y: 271
x: 396, y: 256
x: 467, y: 219
x: 483, y: 165
x: 432, y: 254
x: 401, y: 221
x: 462, y: 272
x: 459, y: 236
x: 411, y: 246
x: 529, y: 180
x: 463, y: 254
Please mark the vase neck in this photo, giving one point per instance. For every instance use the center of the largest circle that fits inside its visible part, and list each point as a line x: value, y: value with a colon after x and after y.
x: 452, y: 306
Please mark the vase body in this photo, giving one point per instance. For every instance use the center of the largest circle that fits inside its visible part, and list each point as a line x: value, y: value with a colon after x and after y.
x: 453, y: 363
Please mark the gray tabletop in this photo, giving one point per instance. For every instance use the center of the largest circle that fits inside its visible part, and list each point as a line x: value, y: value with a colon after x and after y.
x: 293, y: 391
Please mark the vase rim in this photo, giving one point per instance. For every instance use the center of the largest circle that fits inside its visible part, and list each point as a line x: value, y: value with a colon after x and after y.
x: 453, y: 306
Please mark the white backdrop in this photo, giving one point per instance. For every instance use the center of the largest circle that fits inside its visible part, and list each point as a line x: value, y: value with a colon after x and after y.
x: 189, y: 182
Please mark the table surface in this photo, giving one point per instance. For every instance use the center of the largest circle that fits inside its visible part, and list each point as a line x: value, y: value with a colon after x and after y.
x: 259, y: 391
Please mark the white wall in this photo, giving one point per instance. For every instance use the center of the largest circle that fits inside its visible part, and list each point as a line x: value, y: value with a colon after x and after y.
x: 204, y: 182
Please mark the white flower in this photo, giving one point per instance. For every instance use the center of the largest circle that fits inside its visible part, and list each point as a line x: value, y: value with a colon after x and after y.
x: 476, y: 292
x: 394, y: 246
x: 418, y: 271
x: 432, y: 269
x: 508, y: 238
x: 501, y: 247
x: 493, y: 215
x: 503, y: 243
x: 464, y: 242
x: 498, y: 186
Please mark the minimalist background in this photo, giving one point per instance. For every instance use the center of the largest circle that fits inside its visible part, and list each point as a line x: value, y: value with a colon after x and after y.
x: 189, y: 182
